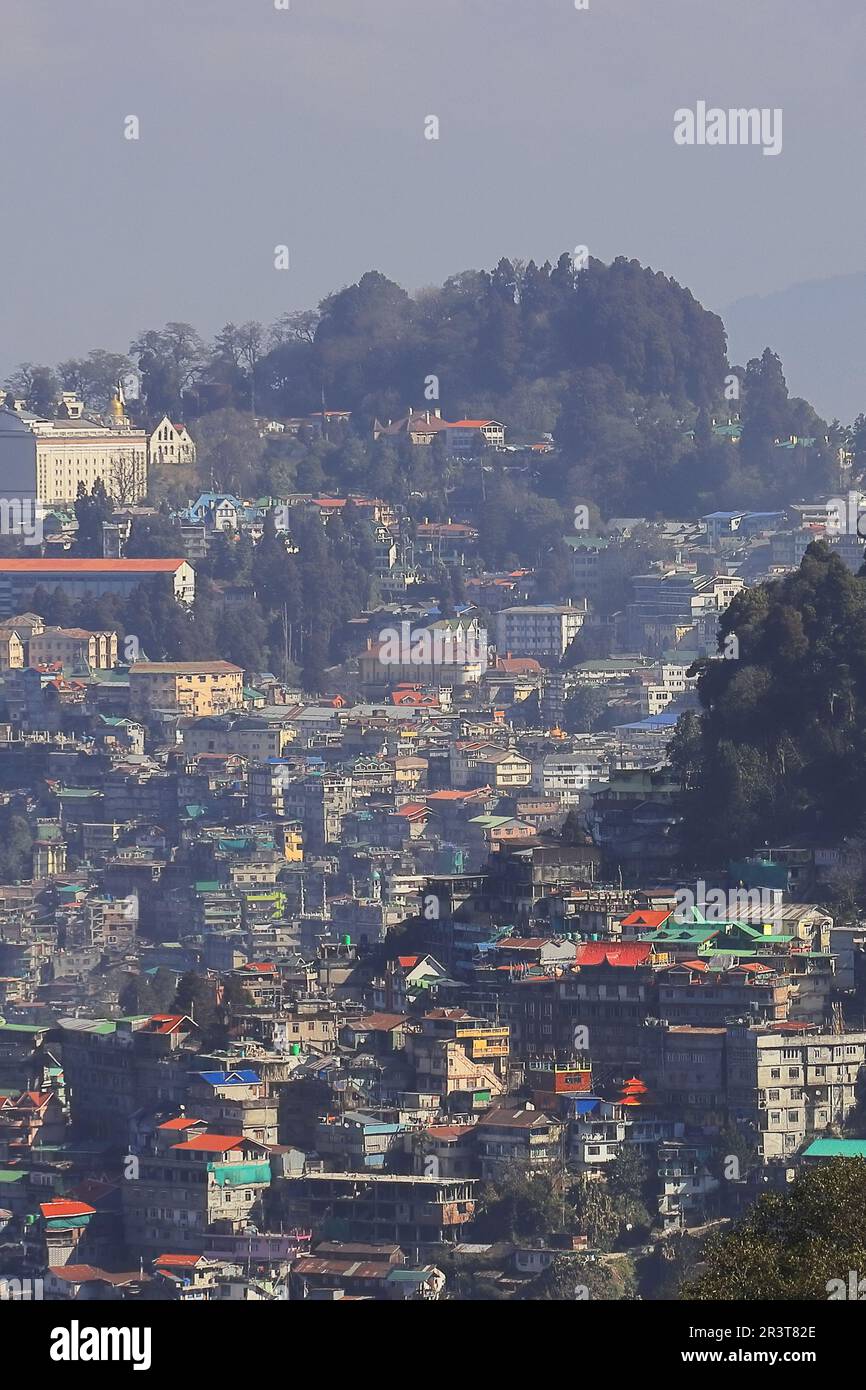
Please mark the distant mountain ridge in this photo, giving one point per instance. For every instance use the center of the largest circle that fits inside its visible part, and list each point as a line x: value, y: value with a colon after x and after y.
x: 818, y: 328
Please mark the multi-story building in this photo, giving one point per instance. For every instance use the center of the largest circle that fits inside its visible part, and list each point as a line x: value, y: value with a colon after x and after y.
x: 115, y: 1068
x: 524, y: 1136
x: 235, y: 1102
x: 466, y: 438
x: 190, y: 687
x: 408, y: 1210
x: 790, y: 1082
x: 89, y: 578
x: 11, y: 650
x: 688, y: 1182
x: 73, y: 449
x: 542, y: 630
x: 205, y: 1182
x: 246, y: 736
x: 567, y: 775
x: 74, y: 646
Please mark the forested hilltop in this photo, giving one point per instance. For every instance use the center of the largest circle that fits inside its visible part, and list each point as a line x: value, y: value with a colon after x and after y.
x: 619, y: 364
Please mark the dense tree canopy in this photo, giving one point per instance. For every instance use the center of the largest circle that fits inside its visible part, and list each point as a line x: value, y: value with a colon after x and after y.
x: 618, y: 363
x: 800, y: 1244
x: 779, y: 747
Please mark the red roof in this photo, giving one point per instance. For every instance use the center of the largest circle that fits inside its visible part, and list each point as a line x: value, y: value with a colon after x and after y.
x: 514, y: 665
x: 630, y: 953
x: 96, y: 566
x: 180, y: 1122
x: 181, y: 1261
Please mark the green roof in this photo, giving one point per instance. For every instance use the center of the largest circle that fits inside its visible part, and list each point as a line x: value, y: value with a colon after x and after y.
x: 679, y: 933
x: 836, y: 1148
x: 7, y: 1175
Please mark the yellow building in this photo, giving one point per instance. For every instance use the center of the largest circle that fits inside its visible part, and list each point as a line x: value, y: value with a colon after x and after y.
x: 293, y: 842
x: 191, y: 687
x: 69, y: 452
x: 74, y: 646
x: 11, y: 650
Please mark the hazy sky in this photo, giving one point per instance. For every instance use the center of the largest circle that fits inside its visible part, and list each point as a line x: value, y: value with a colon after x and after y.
x: 306, y: 127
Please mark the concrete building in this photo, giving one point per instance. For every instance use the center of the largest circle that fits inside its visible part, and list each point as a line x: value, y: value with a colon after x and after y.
x: 88, y: 578
x: 74, y: 646
x: 187, y: 1188
x: 790, y: 1082
x: 542, y: 630
x: 191, y: 687
x: 17, y: 458
x: 411, y: 1211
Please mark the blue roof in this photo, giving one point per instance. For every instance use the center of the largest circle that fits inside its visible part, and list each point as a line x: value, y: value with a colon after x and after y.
x: 586, y: 1106
x: 666, y: 720
x: 230, y: 1078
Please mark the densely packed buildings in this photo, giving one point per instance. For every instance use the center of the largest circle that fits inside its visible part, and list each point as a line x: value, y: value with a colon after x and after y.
x: 292, y: 980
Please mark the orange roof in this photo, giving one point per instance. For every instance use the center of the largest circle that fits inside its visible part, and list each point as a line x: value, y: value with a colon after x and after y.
x: 180, y: 1122
x: 165, y: 1023
x: 181, y: 1261
x: 96, y: 566
x: 211, y: 1143
x: 52, y: 1210
x: 646, y: 918
x: 604, y: 953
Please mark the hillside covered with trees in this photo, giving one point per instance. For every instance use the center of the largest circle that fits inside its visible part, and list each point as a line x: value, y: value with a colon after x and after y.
x: 618, y: 363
